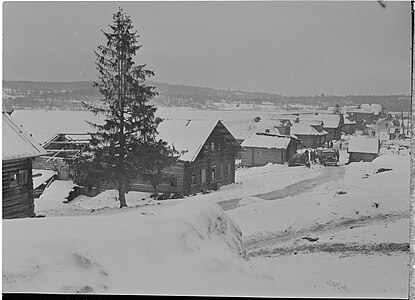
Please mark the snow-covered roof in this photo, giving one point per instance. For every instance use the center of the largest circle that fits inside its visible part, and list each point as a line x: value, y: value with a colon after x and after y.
x: 244, y: 129
x: 375, y: 108
x: 363, y: 145
x: 347, y: 121
x: 305, y: 129
x: 17, y: 142
x: 329, y: 120
x: 189, y: 136
x: 267, y: 141
x: 360, y: 110
x: 41, y: 176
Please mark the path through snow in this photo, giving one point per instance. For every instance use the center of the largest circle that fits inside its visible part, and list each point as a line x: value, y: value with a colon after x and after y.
x: 328, y: 174
x: 289, y: 240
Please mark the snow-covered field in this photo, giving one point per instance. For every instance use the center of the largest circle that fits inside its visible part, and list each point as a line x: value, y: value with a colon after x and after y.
x: 321, y: 232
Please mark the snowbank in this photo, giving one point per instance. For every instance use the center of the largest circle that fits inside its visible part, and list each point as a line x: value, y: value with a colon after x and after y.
x: 355, y: 194
x: 109, y: 199
x: 192, y: 249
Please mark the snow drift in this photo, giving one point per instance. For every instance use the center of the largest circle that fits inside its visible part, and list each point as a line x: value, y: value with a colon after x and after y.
x: 193, y: 248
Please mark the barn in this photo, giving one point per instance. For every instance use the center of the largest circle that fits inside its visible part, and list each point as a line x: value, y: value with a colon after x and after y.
x: 206, y: 162
x: 18, y: 150
x: 261, y: 149
x: 363, y: 149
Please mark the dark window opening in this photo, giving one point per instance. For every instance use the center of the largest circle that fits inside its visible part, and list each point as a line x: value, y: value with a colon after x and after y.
x: 214, y: 173
x: 13, y: 180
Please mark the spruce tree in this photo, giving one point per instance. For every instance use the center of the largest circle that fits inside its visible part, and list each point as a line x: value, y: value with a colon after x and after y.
x: 125, y: 146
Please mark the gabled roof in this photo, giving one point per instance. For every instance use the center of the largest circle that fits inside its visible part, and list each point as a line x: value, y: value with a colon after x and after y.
x: 363, y: 145
x: 267, y: 141
x: 305, y: 129
x: 329, y: 120
x: 347, y: 121
x: 375, y: 108
x: 17, y: 142
x: 243, y: 129
x: 360, y: 110
x: 189, y: 136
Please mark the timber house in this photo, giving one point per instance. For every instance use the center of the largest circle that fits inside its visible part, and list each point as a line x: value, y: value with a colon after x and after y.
x: 263, y: 148
x: 206, y: 162
x: 18, y: 150
x: 363, y: 149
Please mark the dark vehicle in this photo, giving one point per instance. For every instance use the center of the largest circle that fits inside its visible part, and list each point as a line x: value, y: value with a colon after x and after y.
x: 318, y: 153
x: 298, y: 159
x: 329, y: 157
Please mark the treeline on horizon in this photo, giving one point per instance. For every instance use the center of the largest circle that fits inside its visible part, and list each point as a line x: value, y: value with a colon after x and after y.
x: 69, y: 95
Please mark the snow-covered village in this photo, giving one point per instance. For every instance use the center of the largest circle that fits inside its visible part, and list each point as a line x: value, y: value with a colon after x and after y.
x: 125, y: 186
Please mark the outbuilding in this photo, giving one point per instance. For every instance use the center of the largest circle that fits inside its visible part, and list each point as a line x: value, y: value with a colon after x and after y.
x: 363, y: 149
x: 261, y: 149
x: 18, y: 150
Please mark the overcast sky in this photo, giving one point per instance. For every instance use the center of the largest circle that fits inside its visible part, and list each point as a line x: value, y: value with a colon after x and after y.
x: 290, y: 48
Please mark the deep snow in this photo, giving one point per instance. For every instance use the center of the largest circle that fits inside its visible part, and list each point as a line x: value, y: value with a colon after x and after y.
x: 356, y: 224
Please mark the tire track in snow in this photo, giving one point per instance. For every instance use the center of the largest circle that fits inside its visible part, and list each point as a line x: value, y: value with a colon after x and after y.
x: 329, y: 174
x: 260, y: 243
x: 343, y: 248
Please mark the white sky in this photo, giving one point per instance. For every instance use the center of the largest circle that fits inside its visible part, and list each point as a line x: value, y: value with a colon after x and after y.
x: 291, y: 48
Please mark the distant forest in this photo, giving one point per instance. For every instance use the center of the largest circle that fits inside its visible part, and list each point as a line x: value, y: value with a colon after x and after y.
x: 69, y: 95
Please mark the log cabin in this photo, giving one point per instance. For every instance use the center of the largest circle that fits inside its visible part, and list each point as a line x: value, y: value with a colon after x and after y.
x: 206, y: 162
x: 309, y: 136
x: 18, y: 150
x: 332, y: 124
x: 349, y: 126
x: 262, y: 149
x: 363, y: 149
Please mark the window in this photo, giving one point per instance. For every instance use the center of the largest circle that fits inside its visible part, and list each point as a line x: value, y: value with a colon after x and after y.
x: 203, y: 175
x: 217, y: 145
x: 23, y: 178
x: 229, y: 169
x: 206, y: 148
x: 213, y: 173
x: 13, y: 180
x: 193, y: 178
x: 173, y: 181
x: 212, y: 146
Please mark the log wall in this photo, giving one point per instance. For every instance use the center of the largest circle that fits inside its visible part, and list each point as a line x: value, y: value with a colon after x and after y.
x: 57, y: 164
x: 17, y: 198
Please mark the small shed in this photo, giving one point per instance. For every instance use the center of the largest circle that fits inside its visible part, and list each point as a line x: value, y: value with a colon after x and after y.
x: 261, y: 149
x: 363, y: 149
x: 18, y: 150
x: 61, y: 147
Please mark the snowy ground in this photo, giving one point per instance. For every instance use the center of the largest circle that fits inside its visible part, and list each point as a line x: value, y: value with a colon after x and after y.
x: 192, y: 246
x: 324, y: 231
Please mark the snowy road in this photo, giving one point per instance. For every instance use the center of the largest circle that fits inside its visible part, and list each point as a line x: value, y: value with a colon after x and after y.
x: 329, y: 174
x: 291, y: 241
